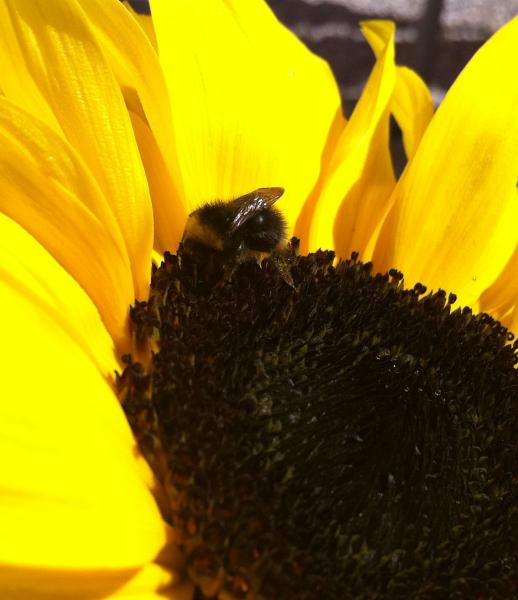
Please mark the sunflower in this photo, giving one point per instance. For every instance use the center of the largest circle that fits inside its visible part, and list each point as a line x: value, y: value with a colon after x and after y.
x: 111, y: 134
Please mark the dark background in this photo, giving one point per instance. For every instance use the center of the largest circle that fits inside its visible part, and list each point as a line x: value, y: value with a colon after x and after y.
x: 435, y: 37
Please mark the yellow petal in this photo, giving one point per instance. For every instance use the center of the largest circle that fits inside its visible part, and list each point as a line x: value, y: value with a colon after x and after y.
x: 453, y: 223
x: 358, y: 142
x: 73, y: 504
x: 170, y: 216
x: 251, y: 106
x: 411, y: 102
x: 23, y: 583
x: 500, y: 298
x: 412, y: 107
x: 54, y: 44
x: 137, y: 69
x: 356, y: 221
x: 145, y: 21
x: 513, y: 320
x: 46, y: 188
x: 15, y: 80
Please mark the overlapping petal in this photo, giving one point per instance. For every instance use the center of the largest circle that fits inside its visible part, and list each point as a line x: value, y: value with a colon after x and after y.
x: 136, y: 66
x: 48, y: 190
x: 412, y: 107
x: 411, y: 102
x: 454, y: 215
x: 50, y: 45
x: 325, y: 215
x: 169, y: 213
x: 346, y: 209
x: 145, y: 21
x: 76, y: 516
x: 501, y: 298
x: 16, y: 81
x: 251, y: 106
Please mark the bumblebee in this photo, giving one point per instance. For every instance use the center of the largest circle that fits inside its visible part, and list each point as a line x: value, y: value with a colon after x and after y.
x: 219, y: 235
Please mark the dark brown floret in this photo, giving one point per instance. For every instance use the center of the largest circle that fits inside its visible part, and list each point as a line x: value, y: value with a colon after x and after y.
x: 342, y: 438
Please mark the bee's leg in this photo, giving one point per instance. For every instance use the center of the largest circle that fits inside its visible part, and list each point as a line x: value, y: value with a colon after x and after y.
x: 284, y: 270
x: 282, y: 259
x: 227, y: 272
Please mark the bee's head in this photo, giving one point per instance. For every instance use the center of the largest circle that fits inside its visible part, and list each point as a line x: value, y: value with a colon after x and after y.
x: 248, y: 223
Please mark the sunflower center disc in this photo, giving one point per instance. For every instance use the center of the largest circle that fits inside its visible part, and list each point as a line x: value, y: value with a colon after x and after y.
x: 339, y: 438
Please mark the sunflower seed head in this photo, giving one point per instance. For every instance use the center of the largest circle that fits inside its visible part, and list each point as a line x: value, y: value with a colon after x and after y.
x: 339, y: 438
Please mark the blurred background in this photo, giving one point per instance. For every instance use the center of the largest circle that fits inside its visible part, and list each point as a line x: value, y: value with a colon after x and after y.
x: 434, y: 37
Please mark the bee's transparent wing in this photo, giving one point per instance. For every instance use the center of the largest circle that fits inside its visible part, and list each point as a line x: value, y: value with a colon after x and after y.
x: 252, y: 203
